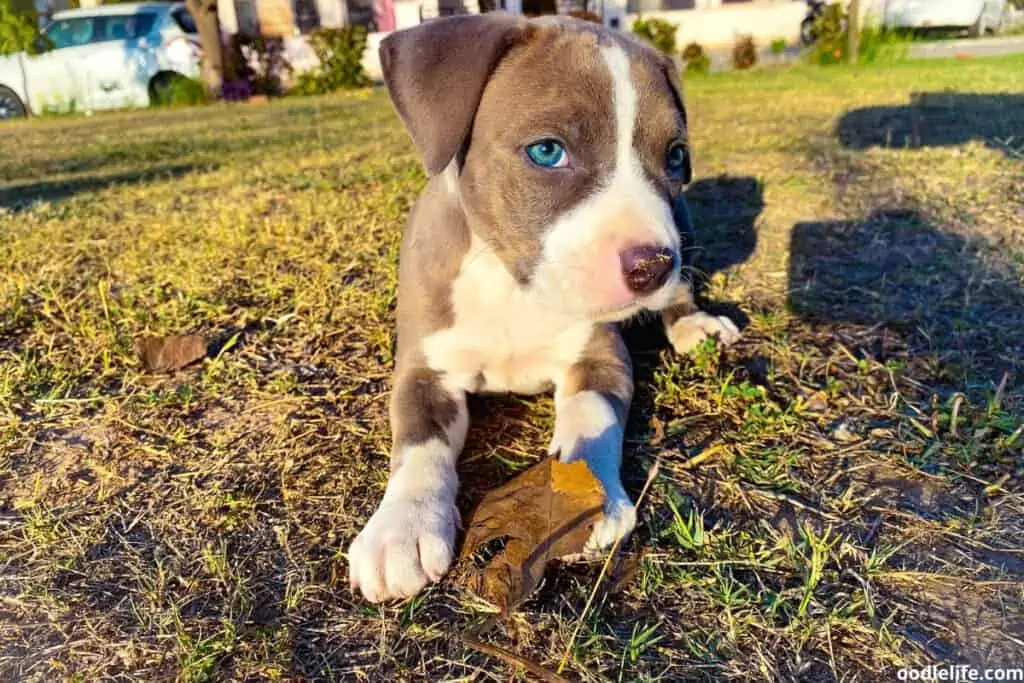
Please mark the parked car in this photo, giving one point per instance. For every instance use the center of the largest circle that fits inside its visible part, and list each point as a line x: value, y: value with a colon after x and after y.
x: 977, y: 16
x: 108, y: 57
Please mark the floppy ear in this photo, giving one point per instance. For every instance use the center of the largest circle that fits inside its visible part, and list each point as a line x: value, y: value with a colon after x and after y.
x: 436, y: 73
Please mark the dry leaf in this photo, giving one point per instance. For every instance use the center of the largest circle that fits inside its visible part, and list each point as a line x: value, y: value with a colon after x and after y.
x: 817, y: 402
x: 167, y: 354
x: 544, y: 514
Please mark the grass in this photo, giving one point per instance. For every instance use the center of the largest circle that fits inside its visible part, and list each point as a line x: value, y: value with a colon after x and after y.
x: 839, y: 495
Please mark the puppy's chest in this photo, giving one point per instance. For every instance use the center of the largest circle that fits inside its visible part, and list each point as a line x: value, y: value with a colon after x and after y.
x: 503, y: 339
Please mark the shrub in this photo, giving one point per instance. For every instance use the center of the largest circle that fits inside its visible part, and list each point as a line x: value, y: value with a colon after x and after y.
x: 236, y: 90
x: 880, y: 45
x: 340, y: 51
x: 830, y: 27
x: 659, y: 33
x: 744, y: 53
x: 696, y: 59
x: 262, y: 64
x: 778, y: 46
x: 174, y: 90
x: 19, y: 31
x: 586, y: 15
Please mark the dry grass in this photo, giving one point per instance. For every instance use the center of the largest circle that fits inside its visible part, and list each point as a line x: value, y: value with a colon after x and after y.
x: 855, y: 504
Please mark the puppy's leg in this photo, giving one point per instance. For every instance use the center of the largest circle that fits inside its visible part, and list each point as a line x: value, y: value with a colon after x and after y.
x: 687, y: 326
x: 410, y: 539
x: 591, y: 405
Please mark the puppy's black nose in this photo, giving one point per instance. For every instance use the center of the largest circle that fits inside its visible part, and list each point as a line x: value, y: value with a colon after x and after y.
x: 646, y: 267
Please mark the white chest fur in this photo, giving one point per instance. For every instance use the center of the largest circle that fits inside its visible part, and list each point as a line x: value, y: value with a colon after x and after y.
x: 503, y: 338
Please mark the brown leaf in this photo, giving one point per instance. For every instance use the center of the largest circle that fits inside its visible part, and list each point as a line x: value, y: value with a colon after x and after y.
x: 817, y: 402
x: 167, y: 354
x: 544, y: 514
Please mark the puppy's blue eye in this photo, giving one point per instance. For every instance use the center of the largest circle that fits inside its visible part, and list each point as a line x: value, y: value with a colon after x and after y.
x: 547, y: 154
x: 677, y: 162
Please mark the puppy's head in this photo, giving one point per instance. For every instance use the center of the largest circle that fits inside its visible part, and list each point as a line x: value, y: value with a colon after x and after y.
x: 566, y: 145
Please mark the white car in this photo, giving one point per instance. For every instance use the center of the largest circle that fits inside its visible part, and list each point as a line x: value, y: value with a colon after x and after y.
x: 108, y: 57
x: 977, y: 16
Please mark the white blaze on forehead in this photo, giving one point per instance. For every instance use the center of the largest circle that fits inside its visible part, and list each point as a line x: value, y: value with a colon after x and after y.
x: 629, y: 183
x: 624, y: 100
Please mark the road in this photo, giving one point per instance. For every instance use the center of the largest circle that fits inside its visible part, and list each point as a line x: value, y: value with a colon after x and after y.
x: 721, y: 59
x: 974, y: 47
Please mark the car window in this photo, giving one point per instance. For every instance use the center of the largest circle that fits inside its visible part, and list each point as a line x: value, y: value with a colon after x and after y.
x: 70, y: 32
x: 85, y: 30
x: 123, y: 26
x: 184, y: 20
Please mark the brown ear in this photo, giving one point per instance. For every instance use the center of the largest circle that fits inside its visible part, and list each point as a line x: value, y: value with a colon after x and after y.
x: 436, y: 73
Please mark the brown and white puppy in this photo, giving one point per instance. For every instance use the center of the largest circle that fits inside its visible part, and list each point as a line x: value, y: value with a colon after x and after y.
x: 557, y: 152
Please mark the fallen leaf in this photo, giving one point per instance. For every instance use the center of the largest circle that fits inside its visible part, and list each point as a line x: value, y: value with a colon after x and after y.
x: 544, y: 514
x: 817, y: 402
x: 167, y: 354
x: 843, y: 433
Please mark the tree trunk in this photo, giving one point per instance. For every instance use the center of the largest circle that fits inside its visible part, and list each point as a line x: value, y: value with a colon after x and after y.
x: 853, y: 30
x: 205, y: 14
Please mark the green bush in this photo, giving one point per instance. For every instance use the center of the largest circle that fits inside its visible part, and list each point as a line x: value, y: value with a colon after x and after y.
x: 831, y: 29
x: 19, y: 31
x: 744, y: 53
x: 696, y: 59
x: 658, y: 32
x: 340, y: 51
x: 875, y: 45
x: 879, y: 45
x: 174, y: 90
x: 778, y: 46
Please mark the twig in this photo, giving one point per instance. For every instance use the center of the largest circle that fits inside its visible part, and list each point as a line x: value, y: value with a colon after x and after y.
x: 651, y: 476
x: 707, y: 453
x: 471, y: 638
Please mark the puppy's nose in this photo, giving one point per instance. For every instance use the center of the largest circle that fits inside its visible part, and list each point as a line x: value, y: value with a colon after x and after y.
x: 646, y: 267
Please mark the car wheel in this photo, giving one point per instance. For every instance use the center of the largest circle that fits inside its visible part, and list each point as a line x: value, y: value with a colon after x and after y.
x: 11, y: 106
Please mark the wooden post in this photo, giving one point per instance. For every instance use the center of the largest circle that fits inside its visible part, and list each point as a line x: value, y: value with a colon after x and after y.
x: 204, y: 12
x: 853, y: 30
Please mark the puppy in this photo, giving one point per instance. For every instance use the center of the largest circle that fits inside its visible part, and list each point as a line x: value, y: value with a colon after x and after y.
x: 557, y: 153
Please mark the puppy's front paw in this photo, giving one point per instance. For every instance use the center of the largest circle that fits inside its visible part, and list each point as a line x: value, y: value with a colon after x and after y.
x: 618, y: 522
x: 409, y: 542
x: 689, y: 331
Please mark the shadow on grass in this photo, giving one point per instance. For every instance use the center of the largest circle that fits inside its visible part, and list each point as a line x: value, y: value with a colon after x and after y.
x: 924, y: 288
x: 724, y: 210
x: 19, y: 197
x: 938, y: 120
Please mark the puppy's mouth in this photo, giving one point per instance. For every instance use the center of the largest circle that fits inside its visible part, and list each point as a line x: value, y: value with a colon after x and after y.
x: 651, y: 303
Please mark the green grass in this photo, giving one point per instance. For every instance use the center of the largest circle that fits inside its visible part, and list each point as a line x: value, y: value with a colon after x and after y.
x: 839, y: 495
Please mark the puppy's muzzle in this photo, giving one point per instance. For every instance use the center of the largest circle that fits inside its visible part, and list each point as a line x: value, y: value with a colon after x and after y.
x: 646, y: 268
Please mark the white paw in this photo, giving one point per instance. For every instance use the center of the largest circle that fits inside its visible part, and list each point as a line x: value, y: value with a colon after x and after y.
x: 618, y: 522
x: 409, y: 542
x: 688, y: 332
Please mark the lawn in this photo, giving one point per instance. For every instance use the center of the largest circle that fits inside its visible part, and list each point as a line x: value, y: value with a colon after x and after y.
x: 839, y: 495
